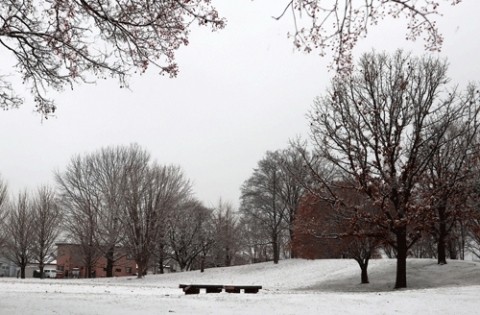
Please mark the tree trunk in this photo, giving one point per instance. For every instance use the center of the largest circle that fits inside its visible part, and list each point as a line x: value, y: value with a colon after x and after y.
x: 182, y: 265
x: 141, y: 268
x: 452, y: 249
x: 161, y: 261
x: 276, y: 251
x: 363, y: 263
x: 228, y: 260
x: 292, y: 235
x: 160, y: 265
x: 110, y: 262
x: 364, y: 268
x: 401, y: 278
x: 22, y: 272
x: 41, y: 268
x: 462, y: 241
x: 202, y: 263
x: 441, y: 253
x: 442, y: 234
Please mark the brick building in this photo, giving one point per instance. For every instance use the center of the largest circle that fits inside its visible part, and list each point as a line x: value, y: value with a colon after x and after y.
x: 70, y: 263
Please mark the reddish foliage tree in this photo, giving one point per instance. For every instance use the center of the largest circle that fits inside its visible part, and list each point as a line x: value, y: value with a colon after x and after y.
x: 313, y: 239
x: 338, y: 230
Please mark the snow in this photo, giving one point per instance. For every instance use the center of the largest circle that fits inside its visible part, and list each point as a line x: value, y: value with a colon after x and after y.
x: 291, y: 287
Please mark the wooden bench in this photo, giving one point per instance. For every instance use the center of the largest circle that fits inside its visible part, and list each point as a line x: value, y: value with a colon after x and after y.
x: 217, y: 288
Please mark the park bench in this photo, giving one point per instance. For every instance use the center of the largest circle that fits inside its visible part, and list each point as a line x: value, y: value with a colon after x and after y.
x: 217, y: 288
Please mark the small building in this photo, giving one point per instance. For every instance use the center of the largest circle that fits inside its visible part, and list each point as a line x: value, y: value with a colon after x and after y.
x: 71, y: 263
x: 7, y: 268
x: 49, y: 269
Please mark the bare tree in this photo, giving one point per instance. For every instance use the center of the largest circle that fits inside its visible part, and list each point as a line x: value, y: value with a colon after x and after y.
x: 295, y: 179
x: 161, y: 253
x: 108, y: 169
x: 254, y: 239
x: 80, y: 201
x: 226, y: 229
x: 373, y: 127
x: 470, y: 228
x: 151, y: 193
x: 93, y: 186
x: 59, y: 43
x: 261, y: 201
x: 339, y: 24
x: 20, y: 229
x: 3, y: 211
x: 448, y: 179
x: 174, y: 190
x: 47, y: 219
x: 187, y: 231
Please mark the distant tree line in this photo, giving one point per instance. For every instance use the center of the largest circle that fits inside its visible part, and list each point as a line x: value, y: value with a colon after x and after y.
x: 118, y: 201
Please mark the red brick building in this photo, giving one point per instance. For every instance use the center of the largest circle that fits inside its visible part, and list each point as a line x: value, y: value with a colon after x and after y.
x: 70, y: 263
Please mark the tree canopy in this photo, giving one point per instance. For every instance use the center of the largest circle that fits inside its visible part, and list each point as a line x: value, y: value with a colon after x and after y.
x: 337, y: 25
x: 57, y: 43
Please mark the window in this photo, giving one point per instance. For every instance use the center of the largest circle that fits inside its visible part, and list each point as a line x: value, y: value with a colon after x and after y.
x: 128, y: 269
x: 118, y: 270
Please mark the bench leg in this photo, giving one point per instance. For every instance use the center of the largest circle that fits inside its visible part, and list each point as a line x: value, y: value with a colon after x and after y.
x: 190, y: 290
x: 214, y: 290
x: 251, y: 291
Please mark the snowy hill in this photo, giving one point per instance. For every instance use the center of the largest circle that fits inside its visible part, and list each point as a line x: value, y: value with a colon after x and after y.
x: 291, y: 287
x: 327, y: 275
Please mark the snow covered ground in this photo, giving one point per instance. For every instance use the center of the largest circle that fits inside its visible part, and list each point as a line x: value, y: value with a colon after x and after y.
x: 292, y: 287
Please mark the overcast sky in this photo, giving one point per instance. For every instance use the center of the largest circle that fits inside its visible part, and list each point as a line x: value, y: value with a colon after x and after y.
x: 240, y: 92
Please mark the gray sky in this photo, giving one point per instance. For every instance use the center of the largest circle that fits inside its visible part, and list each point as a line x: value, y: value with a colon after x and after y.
x: 240, y: 92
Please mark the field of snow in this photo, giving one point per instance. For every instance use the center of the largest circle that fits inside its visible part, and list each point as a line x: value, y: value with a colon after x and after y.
x: 291, y: 287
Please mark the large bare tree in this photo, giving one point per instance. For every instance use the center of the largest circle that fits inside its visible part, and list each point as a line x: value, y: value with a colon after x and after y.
x: 188, y: 233
x: 295, y: 182
x: 47, y: 217
x: 109, y: 173
x: 80, y: 201
x: 448, y: 183
x: 374, y: 127
x: 151, y: 192
x: 59, y: 43
x: 338, y: 25
x: 226, y: 228
x: 262, y: 202
x: 20, y: 229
